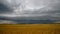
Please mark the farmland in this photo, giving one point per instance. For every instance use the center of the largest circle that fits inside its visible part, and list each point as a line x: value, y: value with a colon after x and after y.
x: 30, y: 29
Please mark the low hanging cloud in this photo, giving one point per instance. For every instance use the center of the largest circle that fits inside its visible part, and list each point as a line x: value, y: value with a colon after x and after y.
x: 30, y: 9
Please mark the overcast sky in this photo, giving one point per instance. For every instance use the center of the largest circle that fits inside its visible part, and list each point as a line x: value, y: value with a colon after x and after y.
x: 30, y: 8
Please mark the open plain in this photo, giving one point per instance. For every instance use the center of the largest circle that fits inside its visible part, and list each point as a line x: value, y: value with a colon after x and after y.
x: 30, y: 29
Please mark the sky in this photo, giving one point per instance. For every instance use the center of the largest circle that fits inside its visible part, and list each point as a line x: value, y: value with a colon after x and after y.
x: 30, y: 9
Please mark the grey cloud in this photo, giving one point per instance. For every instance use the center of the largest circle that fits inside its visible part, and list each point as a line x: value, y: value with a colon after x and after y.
x: 4, y: 9
x: 45, y: 9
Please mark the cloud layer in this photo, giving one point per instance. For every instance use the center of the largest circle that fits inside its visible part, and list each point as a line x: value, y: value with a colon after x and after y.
x: 31, y: 9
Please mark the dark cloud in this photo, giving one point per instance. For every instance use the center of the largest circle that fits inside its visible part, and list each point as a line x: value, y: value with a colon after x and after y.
x: 48, y: 11
x: 4, y: 8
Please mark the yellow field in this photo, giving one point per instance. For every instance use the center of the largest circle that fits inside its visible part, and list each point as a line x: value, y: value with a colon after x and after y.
x: 30, y: 29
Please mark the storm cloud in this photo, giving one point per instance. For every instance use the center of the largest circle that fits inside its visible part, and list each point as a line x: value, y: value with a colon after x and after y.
x: 30, y: 9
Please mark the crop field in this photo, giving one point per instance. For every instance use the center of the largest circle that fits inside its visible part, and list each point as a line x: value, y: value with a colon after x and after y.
x: 30, y: 29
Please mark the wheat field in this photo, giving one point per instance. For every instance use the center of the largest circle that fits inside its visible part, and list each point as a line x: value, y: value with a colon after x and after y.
x: 30, y: 29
